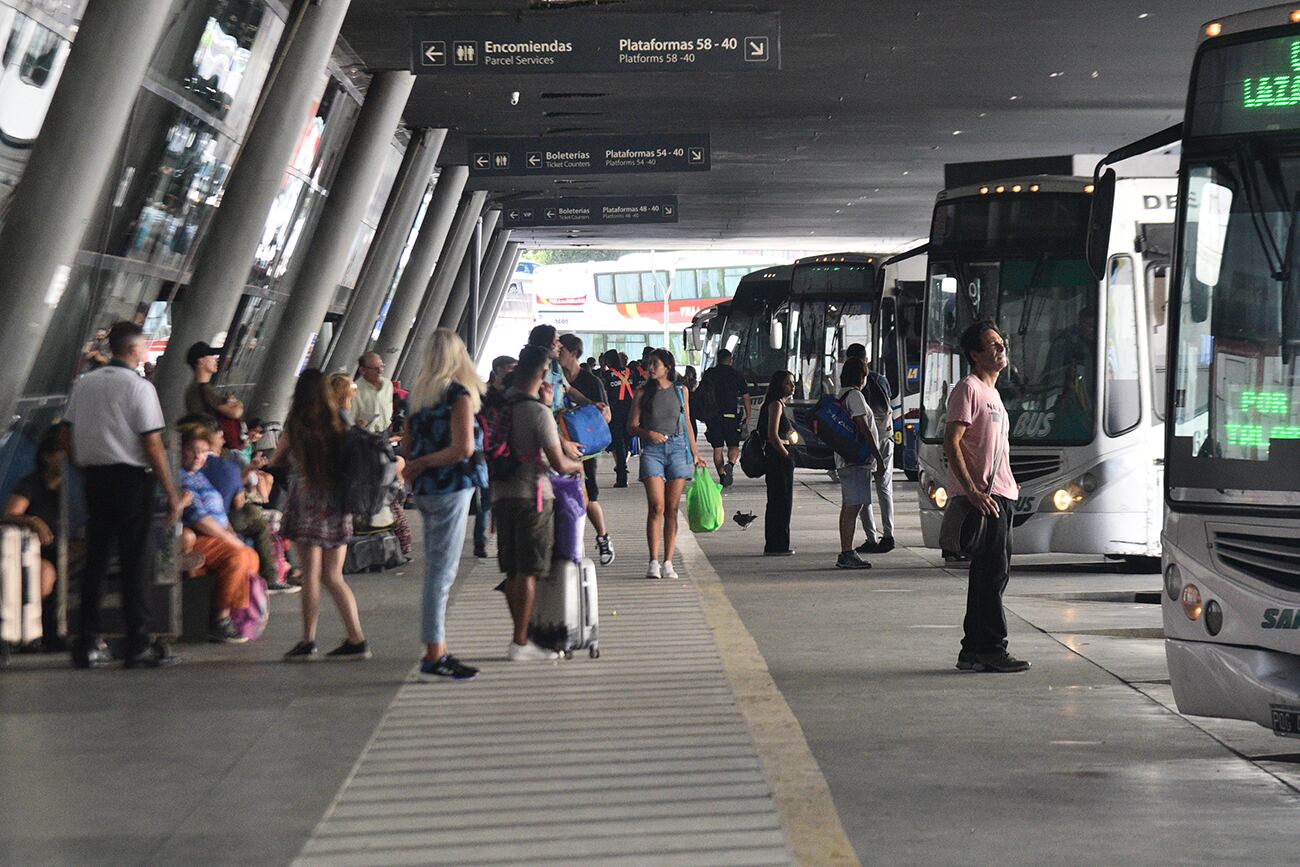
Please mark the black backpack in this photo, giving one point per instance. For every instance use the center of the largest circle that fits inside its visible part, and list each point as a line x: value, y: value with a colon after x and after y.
x: 704, y: 400
x: 753, y: 455
x: 369, y: 472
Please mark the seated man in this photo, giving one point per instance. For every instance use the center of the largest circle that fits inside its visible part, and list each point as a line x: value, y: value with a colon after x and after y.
x: 34, y: 504
x: 228, y: 559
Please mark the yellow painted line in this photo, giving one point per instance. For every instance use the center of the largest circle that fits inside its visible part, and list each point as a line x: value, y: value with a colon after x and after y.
x: 802, y: 796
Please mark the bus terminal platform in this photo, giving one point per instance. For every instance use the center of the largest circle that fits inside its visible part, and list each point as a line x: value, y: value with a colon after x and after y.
x: 757, y: 710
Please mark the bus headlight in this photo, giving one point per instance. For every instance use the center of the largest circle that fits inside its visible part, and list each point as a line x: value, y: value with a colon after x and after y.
x: 1173, y: 582
x: 1064, y: 499
x: 1192, y: 602
x: 1213, y: 617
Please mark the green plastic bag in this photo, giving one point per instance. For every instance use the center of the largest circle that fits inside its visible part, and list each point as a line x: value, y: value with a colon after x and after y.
x: 704, y: 503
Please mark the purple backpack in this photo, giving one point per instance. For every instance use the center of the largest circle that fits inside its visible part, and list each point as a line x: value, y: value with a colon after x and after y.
x: 570, y: 515
x: 251, y: 621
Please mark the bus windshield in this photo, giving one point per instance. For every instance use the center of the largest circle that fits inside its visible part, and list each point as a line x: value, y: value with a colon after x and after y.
x: 817, y: 331
x: 1236, y: 398
x: 1046, y: 307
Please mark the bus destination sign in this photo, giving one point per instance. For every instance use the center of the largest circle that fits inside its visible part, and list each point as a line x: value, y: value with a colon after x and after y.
x: 595, y: 211
x: 587, y: 155
x: 596, y: 42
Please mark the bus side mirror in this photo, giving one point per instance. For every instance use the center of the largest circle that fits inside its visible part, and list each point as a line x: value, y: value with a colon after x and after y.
x: 776, y: 337
x: 693, y: 340
x: 1103, y: 205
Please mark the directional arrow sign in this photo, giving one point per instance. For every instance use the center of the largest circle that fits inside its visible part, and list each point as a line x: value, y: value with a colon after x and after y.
x: 434, y: 53
x: 594, y: 211
x: 589, y: 155
x: 513, y: 43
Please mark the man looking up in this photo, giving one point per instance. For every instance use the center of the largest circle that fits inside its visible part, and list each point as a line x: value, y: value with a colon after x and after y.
x: 584, y: 381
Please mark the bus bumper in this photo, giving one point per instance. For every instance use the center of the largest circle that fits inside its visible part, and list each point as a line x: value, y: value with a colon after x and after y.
x: 1060, y: 533
x: 1220, y: 680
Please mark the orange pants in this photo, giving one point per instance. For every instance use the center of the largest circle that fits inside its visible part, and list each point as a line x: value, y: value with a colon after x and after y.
x: 230, y: 565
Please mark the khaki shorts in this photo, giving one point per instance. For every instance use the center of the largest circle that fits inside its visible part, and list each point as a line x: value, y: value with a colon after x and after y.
x: 525, y: 536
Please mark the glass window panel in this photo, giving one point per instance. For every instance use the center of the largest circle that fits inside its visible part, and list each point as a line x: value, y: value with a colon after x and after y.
x: 627, y: 288
x: 605, y: 288
x: 1123, y: 396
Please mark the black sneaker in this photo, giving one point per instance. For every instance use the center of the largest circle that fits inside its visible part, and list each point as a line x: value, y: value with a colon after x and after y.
x: 851, y: 560
x: 965, y: 661
x: 224, y: 632
x: 303, y: 651
x: 621, y: 482
x: 155, y: 655
x: 999, y: 661
x: 349, y: 652
x: 480, y: 553
x: 282, y: 587
x: 94, y: 655
x: 868, y: 548
x: 728, y: 474
x: 448, y: 667
x: 606, y: 550
x: 885, y: 545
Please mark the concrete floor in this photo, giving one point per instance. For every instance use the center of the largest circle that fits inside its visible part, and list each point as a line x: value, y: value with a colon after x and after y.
x: 233, y: 757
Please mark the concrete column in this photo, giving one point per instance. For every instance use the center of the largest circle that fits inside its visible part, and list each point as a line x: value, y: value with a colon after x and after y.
x: 440, y: 287
x: 475, y: 309
x: 326, y: 256
x: 472, y: 266
x: 394, y: 228
x: 69, y: 165
x: 208, y: 304
x: 412, y: 288
x: 497, y: 295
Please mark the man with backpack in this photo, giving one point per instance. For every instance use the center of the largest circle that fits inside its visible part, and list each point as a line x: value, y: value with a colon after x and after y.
x: 584, y: 381
x: 879, y: 401
x: 855, y: 478
x: 621, y: 392
x: 520, y: 440
x: 722, y: 401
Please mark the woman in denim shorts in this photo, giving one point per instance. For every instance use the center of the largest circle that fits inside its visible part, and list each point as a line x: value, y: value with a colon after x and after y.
x: 661, y: 417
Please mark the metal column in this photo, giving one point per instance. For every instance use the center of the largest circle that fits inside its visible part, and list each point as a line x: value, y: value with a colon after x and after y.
x: 497, y: 295
x: 386, y: 249
x: 208, y: 304
x: 70, y: 163
x: 413, y: 287
x: 472, y: 266
x: 474, y: 310
x: 435, y: 298
x: 326, y: 256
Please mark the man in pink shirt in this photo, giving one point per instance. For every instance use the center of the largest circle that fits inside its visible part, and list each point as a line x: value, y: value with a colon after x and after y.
x: 976, y: 442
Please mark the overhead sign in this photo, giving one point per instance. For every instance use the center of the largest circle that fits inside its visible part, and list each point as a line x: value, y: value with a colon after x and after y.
x: 596, y: 41
x: 601, y: 211
x: 588, y: 155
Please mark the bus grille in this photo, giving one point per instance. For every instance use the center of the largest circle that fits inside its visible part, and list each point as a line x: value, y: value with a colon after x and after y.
x: 1029, y: 467
x: 1272, y: 559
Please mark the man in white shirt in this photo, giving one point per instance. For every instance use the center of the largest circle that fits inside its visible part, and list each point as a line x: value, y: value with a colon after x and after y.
x: 114, y: 434
x: 855, y: 479
x: 372, y: 408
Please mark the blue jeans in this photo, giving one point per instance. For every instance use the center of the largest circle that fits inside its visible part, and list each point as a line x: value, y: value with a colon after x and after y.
x: 444, y: 535
x: 668, y: 460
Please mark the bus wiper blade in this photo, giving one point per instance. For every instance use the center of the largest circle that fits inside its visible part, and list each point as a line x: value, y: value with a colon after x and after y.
x: 1030, y: 294
x: 1286, y: 277
x: 1246, y: 168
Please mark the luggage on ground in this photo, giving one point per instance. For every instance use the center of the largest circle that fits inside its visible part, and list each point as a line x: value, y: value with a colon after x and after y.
x: 372, y: 552
x: 753, y: 455
x: 369, y: 470
x: 704, y: 503
x: 20, y: 588
x: 565, y: 610
x: 586, y: 426
x: 251, y: 621
x: 570, y: 517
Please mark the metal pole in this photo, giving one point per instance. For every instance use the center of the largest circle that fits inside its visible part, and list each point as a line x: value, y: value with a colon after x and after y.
x: 444, y: 276
x: 487, y: 274
x: 413, y: 286
x: 497, y: 295
x: 386, y: 249
x: 70, y: 162
x: 208, y: 304
x: 326, y: 256
x: 471, y: 267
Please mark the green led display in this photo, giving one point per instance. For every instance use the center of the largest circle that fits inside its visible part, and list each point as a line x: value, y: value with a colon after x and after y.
x: 1274, y: 91
x: 1270, y: 419
x: 1266, y: 402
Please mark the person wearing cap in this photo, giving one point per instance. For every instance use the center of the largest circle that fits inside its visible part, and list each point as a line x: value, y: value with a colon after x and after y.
x: 201, y: 398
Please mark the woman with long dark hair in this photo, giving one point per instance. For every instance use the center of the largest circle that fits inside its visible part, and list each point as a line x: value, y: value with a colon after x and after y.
x: 314, y: 519
x: 661, y: 416
x: 780, y: 464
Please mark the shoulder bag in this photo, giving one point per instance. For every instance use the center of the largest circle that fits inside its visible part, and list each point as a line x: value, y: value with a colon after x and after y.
x: 965, y: 528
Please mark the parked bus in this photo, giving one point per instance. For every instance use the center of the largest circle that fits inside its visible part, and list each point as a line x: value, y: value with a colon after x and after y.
x: 896, y: 350
x: 1085, y: 431
x: 1232, y: 485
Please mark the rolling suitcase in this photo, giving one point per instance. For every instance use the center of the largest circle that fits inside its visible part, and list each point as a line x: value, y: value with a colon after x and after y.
x: 20, y: 588
x: 565, y: 612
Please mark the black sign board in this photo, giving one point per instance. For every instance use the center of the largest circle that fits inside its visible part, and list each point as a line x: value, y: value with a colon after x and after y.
x: 588, y: 155
x: 596, y: 41
x: 602, y: 211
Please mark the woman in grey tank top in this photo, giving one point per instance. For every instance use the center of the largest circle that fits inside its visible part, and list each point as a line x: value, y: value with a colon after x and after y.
x: 661, y: 417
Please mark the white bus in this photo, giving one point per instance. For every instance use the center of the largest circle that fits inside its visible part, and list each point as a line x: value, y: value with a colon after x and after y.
x: 1232, y: 486
x: 1085, y: 425
x: 638, y: 300
x: 896, y: 350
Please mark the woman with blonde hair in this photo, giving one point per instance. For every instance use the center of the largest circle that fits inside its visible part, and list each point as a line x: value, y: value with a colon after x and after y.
x: 314, y: 519
x: 443, y: 446
x: 344, y: 389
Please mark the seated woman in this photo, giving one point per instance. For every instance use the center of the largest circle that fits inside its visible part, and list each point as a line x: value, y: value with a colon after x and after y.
x: 34, y: 504
x: 228, y: 559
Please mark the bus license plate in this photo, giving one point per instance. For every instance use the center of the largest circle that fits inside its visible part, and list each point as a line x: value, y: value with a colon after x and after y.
x: 1286, y: 721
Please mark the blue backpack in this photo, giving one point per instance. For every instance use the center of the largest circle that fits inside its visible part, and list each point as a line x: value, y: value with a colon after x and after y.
x: 834, y: 426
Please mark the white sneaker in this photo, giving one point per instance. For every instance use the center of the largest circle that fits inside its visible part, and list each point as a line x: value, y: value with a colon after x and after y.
x: 668, y: 571
x: 530, y: 653
x: 652, y: 570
